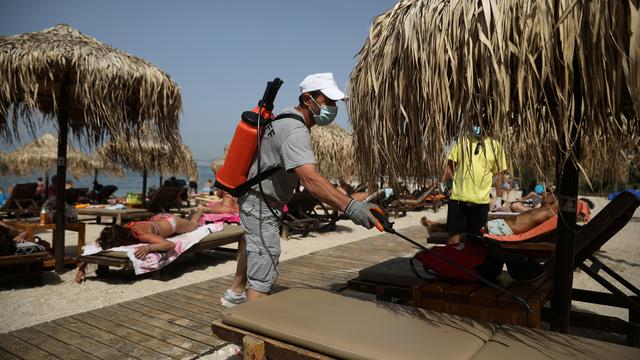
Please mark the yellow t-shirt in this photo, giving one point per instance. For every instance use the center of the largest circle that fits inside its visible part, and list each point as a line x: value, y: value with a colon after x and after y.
x: 473, y: 173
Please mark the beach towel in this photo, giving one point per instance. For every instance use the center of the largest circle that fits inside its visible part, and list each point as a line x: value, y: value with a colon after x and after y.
x: 28, y: 247
x: 229, y: 218
x: 158, y: 260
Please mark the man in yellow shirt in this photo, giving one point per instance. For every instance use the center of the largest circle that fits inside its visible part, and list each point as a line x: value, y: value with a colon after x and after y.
x: 473, y: 162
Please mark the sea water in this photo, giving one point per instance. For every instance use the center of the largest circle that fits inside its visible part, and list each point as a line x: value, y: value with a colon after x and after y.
x: 131, y: 182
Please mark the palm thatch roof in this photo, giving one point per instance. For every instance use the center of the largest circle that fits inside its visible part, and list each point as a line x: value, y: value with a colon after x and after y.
x: 333, y: 148
x: 3, y: 163
x: 150, y: 155
x: 40, y: 155
x: 108, y: 91
x: 429, y: 69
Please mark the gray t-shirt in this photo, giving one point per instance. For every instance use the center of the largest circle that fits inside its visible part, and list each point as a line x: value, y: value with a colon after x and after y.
x: 286, y: 143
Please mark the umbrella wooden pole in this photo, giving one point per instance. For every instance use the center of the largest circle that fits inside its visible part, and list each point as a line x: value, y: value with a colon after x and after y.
x: 566, y: 230
x: 144, y: 187
x: 95, y: 179
x: 61, y: 176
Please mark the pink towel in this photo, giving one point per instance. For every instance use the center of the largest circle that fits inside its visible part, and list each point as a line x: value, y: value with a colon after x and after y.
x: 216, y: 218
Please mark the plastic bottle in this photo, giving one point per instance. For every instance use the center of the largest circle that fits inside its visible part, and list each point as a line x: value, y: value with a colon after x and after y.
x: 43, y: 216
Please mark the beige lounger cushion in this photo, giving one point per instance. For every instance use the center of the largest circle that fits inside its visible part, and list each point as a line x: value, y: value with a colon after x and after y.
x: 514, y: 342
x: 396, y: 271
x: 345, y: 327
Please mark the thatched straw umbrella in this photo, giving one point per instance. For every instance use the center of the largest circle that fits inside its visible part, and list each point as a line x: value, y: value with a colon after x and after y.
x: 40, y: 156
x: 150, y: 156
x: 538, y: 75
x: 85, y: 87
x: 333, y: 148
x: 3, y: 163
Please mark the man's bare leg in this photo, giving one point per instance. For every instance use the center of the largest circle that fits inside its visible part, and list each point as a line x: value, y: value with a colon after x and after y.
x: 240, y: 278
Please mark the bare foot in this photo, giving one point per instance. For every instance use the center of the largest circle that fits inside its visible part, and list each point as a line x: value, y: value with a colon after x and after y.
x: 432, y: 226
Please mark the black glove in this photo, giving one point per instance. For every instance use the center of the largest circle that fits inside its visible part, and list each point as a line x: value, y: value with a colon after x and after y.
x: 360, y: 213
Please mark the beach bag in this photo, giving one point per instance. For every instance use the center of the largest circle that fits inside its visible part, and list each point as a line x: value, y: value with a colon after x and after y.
x: 471, y: 256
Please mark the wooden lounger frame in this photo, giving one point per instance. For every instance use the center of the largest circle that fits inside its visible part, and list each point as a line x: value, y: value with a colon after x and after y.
x: 30, y: 267
x: 258, y: 347
x: 120, y: 259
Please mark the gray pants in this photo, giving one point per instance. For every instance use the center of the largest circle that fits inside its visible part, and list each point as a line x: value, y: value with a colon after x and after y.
x: 262, y: 232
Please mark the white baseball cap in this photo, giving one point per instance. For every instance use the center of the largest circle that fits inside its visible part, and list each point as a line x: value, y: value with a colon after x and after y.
x: 323, y: 82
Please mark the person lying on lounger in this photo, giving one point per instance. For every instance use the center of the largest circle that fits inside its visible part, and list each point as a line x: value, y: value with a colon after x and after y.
x: 530, y: 201
x: 154, y: 232
x: 14, y: 233
x: 518, y: 224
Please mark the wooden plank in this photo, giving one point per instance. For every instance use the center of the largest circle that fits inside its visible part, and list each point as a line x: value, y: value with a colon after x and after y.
x: 7, y: 356
x: 81, y: 341
x: 198, y: 307
x: 200, y: 298
x: 135, y: 336
x: 462, y: 292
x: 166, y: 325
x: 178, y: 308
x: 168, y: 317
x: 154, y: 331
x: 253, y: 348
x: 113, y: 341
x: 19, y: 348
x: 51, y: 345
x: 274, y: 349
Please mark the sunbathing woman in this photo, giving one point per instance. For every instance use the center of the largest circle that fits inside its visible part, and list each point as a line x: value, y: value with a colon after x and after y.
x: 154, y: 232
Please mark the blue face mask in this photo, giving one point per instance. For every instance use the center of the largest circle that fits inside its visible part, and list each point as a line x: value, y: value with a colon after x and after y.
x: 327, y: 114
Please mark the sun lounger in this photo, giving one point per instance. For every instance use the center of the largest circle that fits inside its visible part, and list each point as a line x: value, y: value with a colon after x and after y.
x: 306, y: 212
x: 230, y: 234
x: 17, y: 269
x: 20, y: 201
x: 104, y: 194
x: 118, y: 215
x: 388, y: 280
x: 316, y: 324
x: 457, y: 298
x: 165, y: 199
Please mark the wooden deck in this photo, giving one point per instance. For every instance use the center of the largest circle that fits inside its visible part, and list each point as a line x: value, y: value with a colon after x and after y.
x: 176, y: 324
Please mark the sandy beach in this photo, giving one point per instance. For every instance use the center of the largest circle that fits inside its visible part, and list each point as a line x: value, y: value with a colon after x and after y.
x: 60, y: 296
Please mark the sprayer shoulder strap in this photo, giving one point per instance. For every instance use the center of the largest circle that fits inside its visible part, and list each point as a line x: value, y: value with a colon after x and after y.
x: 243, y: 188
x: 290, y: 116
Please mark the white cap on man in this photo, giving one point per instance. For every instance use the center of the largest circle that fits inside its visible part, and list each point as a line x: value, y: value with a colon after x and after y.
x: 323, y: 82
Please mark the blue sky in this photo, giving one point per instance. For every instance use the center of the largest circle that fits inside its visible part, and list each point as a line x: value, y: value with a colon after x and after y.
x: 221, y: 53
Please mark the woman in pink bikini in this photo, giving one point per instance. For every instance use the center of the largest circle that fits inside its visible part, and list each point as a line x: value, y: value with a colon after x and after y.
x: 154, y: 232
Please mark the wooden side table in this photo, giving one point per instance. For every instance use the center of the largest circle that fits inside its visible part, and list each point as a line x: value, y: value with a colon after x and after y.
x: 32, y: 227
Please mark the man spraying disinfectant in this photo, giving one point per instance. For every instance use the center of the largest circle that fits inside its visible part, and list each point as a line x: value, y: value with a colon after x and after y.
x: 283, y: 158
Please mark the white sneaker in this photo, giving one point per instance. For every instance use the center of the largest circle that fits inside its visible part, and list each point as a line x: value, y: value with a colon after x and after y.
x: 231, y: 299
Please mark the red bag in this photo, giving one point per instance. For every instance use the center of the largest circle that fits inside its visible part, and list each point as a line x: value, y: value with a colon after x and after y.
x: 473, y: 257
